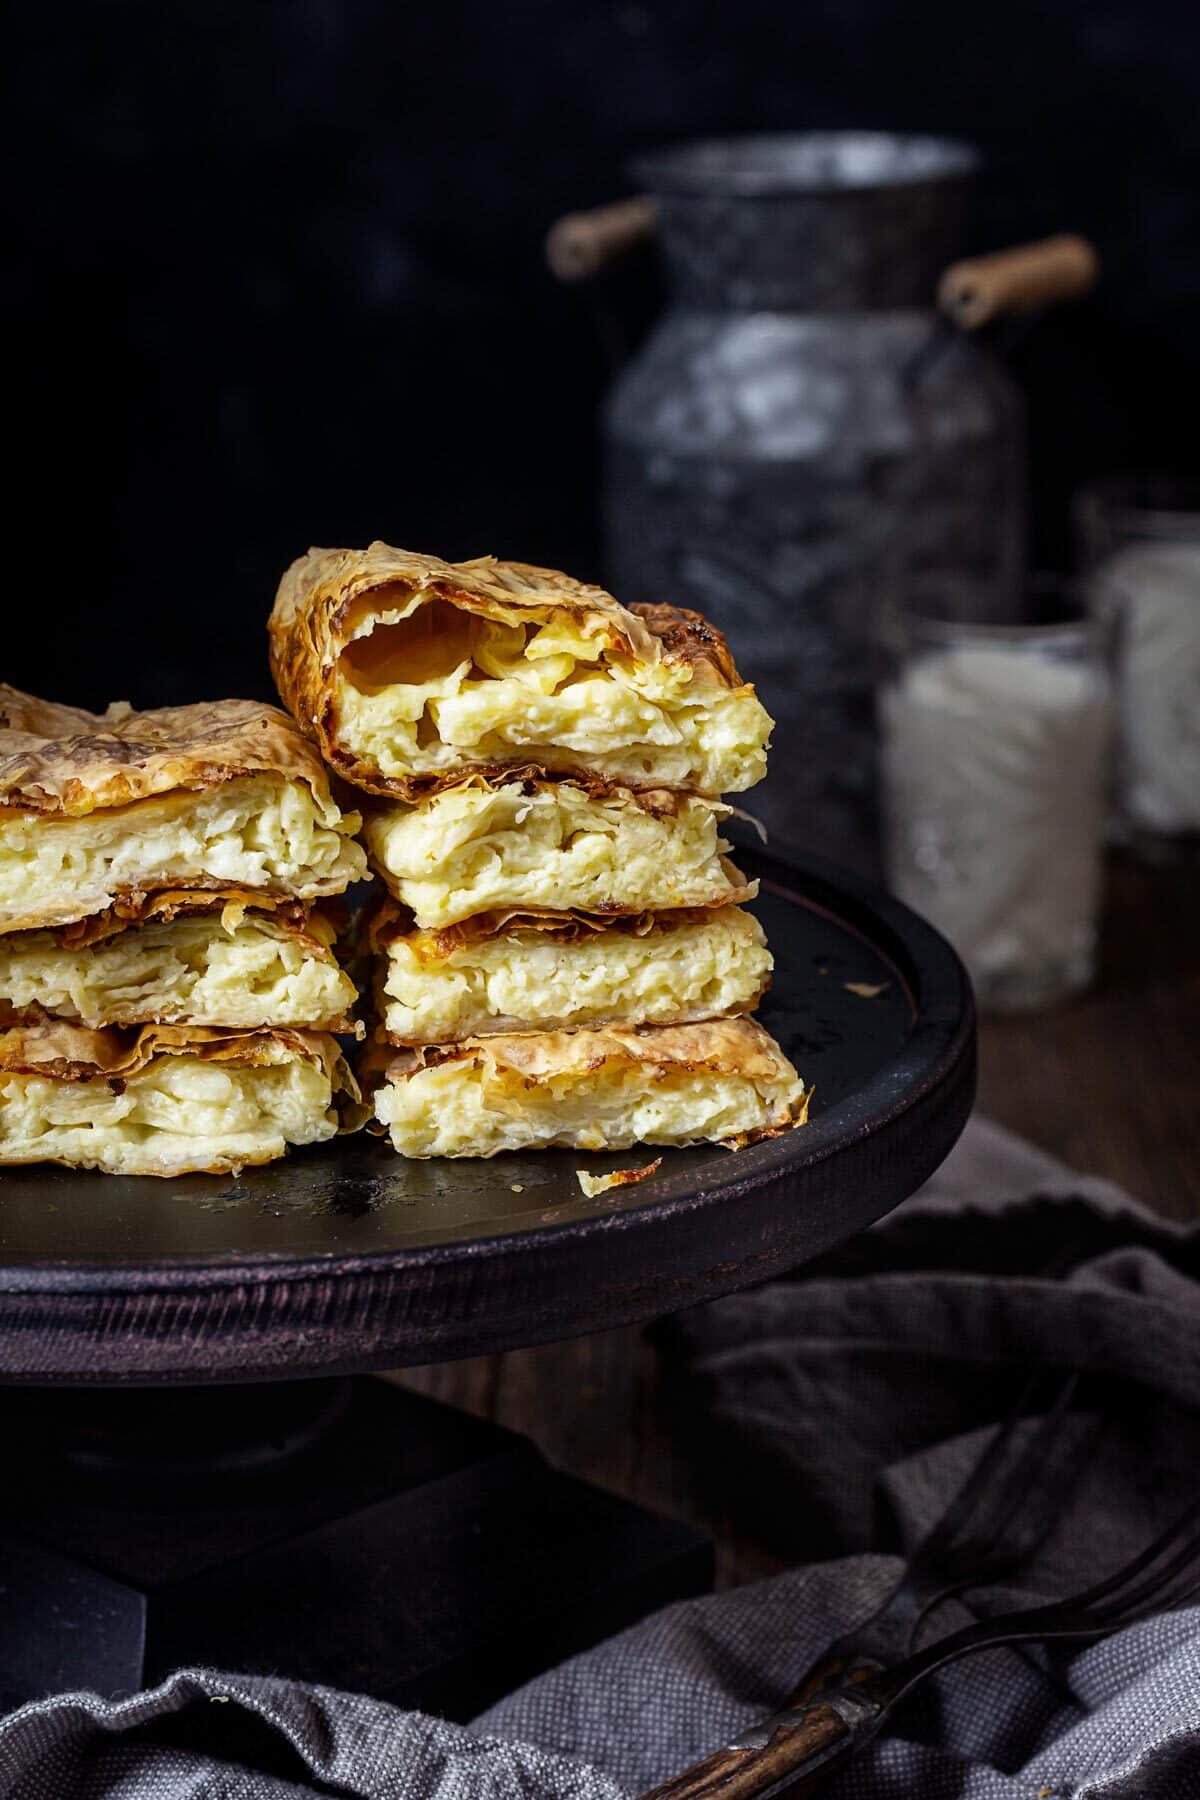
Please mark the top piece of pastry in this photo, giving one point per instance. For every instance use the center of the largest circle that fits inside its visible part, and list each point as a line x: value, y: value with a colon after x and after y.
x: 412, y: 671
x: 96, y: 809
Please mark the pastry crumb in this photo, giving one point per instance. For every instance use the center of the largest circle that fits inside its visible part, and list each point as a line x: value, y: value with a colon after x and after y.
x: 600, y: 1184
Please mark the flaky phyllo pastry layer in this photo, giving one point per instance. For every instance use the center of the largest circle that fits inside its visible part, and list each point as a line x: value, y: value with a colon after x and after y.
x: 553, y: 971
x: 96, y: 810
x: 726, y: 1081
x: 184, y: 962
x: 168, y: 1100
x: 552, y: 846
x: 410, y: 670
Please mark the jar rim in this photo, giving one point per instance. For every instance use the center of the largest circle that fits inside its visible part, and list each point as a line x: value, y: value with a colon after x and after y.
x: 1032, y: 631
x: 784, y: 164
x: 1064, y: 616
x: 1151, y: 503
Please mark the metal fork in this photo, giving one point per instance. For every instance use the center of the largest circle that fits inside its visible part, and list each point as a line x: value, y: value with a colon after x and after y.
x: 994, y: 1525
x: 806, y: 1741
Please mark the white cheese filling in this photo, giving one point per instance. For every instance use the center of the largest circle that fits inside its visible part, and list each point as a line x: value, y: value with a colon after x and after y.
x: 471, y: 849
x: 178, y: 1114
x: 255, y: 831
x: 529, y: 980
x: 444, y: 688
x: 458, y: 1109
x: 188, y: 970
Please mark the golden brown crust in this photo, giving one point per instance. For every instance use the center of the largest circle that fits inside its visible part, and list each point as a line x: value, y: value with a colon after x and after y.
x: 132, y: 905
x: 61, y: 1051
x: 687, y: 637
x: 720, y: 1047
x: 737, y: 1046
x: 388, y: 922
x: 232, y: 903
x: 60, y: 760
x: 329, y: 597
x: 659, y: 802
x: 415, y: 788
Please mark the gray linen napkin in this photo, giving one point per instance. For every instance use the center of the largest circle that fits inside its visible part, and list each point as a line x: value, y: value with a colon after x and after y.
x: 850, y: 1401
x: 833, y: 1410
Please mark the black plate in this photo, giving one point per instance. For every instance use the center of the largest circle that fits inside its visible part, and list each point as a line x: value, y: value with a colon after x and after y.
x: 348, y: 1258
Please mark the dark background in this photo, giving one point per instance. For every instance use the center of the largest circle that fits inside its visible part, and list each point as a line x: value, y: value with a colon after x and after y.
x: 276, y: 277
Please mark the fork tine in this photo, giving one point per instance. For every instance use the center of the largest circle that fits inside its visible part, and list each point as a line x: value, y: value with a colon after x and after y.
x: 1094, y: 1613
x: 965, y: 1536
x: 1139, y: 1604
x: 1113, y: 1602
x: 1026, y: 1517
x: 979, y: 1530
x: 994, y: 1523
x: 973, y: 1495
x: 1013, y: 1496
x: 1029, y: 1504
x: 1119, y: 1598
x: 1112, y: 1584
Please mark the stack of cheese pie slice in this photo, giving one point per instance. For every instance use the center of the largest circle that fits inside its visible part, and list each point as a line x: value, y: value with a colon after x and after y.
x: 561, y: 956
x: 168, y: 987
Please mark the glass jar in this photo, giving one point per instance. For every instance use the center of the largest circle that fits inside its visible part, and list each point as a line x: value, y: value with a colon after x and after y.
x: 1139, y: 540
x: 994, y: 744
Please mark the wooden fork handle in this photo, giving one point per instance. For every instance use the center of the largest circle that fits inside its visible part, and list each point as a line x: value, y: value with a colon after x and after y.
x: 790, y: 1746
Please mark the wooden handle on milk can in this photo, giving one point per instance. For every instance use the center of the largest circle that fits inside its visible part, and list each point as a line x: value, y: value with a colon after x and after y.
x: 581, y: 244
x: 979, y: 289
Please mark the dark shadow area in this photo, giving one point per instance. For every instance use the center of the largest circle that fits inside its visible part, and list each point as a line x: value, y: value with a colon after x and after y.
x: 276, y: 274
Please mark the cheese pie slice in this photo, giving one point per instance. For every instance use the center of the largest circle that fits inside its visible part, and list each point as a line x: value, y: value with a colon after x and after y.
x: 553, y: 846
x: 95, y: 809
x: 726, y: 1082
x: 168, y: 1100
x: 559, y: 971
x: 410, y: 670
x: 178, y: 958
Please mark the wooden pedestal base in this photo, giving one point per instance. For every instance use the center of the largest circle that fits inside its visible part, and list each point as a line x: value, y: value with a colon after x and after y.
x: 345, y: 1532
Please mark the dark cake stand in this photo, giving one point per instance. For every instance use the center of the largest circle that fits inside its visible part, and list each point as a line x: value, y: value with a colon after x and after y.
x: 343, y: 1529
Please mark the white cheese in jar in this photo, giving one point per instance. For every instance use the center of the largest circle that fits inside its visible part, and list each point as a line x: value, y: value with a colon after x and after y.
x: 1155, y: 590
x: 994, y: 773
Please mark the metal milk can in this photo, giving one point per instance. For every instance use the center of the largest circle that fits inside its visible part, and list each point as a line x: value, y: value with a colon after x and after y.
x: 804, y: 435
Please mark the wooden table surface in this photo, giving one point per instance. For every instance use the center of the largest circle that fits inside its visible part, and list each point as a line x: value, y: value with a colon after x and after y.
x: 1109, y: 1082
